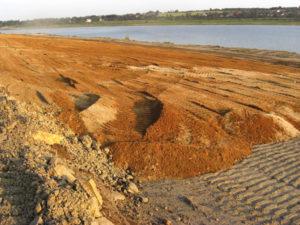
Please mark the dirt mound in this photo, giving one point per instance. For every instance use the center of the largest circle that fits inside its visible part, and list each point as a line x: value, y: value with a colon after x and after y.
x: 168, y: 113
x: 170, y: 150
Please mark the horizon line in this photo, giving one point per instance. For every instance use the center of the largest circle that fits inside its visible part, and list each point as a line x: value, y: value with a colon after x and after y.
x: 120, y: 14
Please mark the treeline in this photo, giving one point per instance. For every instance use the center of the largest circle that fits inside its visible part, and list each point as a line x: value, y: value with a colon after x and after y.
x: 234, y: 13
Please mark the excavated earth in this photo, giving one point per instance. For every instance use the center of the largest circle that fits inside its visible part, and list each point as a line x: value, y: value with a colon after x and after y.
x: 80, y: 118
x: 164, y: 112
x: 48, y: 175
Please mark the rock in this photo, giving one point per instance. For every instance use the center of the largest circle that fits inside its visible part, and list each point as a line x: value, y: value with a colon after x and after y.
x: 56, y: 193
x: 51, y: 201
x: 3, y: 137
x: 37, y: 221
x: 129, y: 177
x: 87, y: 141
x: 11, y: 126
x: 95, y: 208
x: 38, y: 208
x: 116, y: 196
x: 107, y: 150
x: 48, y: 138
x: 64, y: 172
x: 167, y: 222
x: 104, y: 221
x: 145, y: 200
x: 94, y: 223
x: 96, y: 192
x: 132, y: 188
x: 103, y: 176
x: 96, y: 145
x: 73, y: 139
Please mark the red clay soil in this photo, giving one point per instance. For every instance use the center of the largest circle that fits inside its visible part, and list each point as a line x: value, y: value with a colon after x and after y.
x: 164, y: 112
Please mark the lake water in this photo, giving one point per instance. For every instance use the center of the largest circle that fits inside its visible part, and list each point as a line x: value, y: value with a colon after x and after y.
x: 248, y: 36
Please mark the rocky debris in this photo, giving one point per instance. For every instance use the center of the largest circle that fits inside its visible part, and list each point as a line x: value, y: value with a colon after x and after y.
x: 87, y: 141
x: 37, y: 221
x: 189, y: 201
x: 145, y: 199
x: 95, y: 192
x: 132, y: 188
x: 56, y: 177
x: 167, y: 222
x: 64, y: 172
x: 48, y: 138
x: 117, y: 196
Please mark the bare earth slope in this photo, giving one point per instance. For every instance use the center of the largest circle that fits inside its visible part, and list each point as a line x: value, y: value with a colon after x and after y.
x: 164, y: 112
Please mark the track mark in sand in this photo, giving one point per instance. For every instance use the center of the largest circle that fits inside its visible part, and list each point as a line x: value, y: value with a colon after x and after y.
x: 211, y: 92
x: 102, y: 86
x: 118, y: 82
x: 226, y: 73
x: 288, y: 128
x: 252, y: 106
x: 84, y: 101
x: 195, y: 115
x: 262, y: 189
x: 235, y: 92
x: 17, y: 191
x: 148, y: 111
x: 68, y: 81
x: 41, y: 97
x: 221, y: 112
x: 192, y: 81
x: 274, y: 83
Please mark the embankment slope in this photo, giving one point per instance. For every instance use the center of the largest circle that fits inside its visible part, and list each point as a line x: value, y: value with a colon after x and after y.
x: 165, y: 112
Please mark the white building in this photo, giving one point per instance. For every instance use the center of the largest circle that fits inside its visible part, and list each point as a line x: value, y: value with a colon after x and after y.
x: 88, y: 20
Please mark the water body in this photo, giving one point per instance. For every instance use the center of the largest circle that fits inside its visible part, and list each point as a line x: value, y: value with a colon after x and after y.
x: 245, y: 36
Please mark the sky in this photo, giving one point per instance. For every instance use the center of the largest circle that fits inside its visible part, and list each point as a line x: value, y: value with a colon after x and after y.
x: 31, y: 9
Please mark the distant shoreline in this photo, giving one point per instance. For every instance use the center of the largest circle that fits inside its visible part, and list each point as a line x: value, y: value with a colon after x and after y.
x: 287, y: 22
x: 278, y: 57
x: 270, y: 37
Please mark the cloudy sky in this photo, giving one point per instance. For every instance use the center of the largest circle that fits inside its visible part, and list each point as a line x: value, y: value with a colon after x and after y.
x: 29, y: 9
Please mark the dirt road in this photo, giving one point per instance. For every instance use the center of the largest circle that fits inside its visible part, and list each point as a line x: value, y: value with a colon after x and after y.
x: 165, y: 112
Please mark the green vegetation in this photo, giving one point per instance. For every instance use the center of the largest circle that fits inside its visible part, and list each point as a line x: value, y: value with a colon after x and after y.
x: 197, y: 22
x: 256, y: 16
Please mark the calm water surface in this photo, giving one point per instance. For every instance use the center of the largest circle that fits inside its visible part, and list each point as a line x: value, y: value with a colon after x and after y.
x: 250, y: 36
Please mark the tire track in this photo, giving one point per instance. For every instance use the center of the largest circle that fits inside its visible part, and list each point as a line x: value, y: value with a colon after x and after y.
x: 262, y: 189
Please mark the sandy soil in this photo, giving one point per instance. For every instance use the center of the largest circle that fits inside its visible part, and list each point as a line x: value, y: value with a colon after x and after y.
x: 165, y: 112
